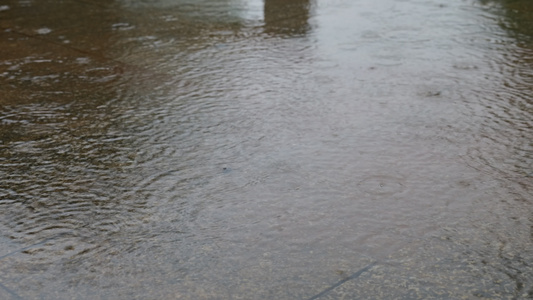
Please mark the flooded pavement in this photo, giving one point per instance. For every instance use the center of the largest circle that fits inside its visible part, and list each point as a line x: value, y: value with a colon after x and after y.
x: 306, y: 149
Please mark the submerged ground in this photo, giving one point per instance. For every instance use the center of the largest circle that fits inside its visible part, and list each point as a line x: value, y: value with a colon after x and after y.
x: 326, y: 149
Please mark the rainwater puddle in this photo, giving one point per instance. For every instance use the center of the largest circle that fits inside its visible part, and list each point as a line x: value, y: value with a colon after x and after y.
x: 266, y: 149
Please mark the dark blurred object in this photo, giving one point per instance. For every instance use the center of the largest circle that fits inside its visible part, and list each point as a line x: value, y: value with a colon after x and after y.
x: 287, y: 17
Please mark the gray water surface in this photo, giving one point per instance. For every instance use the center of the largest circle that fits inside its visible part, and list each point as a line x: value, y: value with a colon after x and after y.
x: 305, y: 149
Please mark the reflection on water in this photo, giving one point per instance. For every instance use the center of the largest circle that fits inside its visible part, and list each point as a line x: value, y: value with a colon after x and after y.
x: 265, y: 149
x: 287, y: 17
x: 504, y: 112
x: 514, y: 17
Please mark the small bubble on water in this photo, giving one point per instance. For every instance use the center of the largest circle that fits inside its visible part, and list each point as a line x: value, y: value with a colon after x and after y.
x: 44, y: 30
x: 83, y: 60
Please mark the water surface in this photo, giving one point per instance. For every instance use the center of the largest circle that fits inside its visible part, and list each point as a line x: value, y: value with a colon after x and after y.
x: 266, y: 150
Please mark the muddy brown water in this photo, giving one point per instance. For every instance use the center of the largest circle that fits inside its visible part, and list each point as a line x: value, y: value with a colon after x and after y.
x: 323, y: 149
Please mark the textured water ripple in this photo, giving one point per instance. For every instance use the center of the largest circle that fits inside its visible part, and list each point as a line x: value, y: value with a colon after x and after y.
x: 182, y: 150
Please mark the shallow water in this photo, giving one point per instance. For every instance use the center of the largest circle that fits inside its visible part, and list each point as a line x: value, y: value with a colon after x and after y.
x: 266, y: 150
